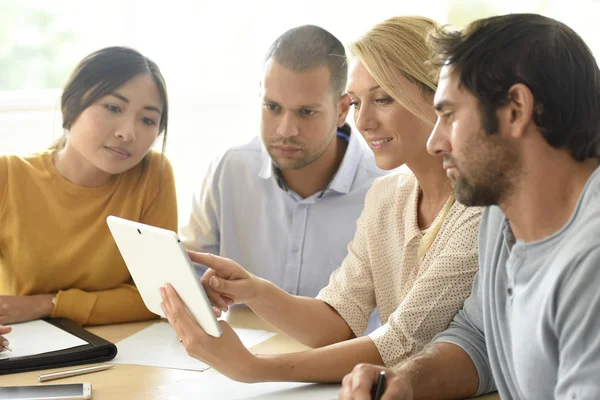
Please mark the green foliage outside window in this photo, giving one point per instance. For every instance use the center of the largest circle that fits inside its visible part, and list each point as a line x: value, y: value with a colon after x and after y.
x: 32, y: 48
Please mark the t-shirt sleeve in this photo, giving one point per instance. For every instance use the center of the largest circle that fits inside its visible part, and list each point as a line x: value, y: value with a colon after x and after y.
x: 577, y: 326
x: 466, y: 332
x: 112, y: 306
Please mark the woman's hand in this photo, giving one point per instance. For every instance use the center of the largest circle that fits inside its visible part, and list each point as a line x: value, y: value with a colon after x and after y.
x: 226, y: 282
x: 15, y: 309
x: 3, y: 342
x: 226, y: 353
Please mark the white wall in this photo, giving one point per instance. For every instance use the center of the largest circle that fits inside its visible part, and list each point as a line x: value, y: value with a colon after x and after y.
x: 211, y: 55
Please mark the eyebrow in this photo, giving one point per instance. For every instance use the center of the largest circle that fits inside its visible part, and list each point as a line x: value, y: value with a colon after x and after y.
x: 126, y: 100
x: 370, y: 89
x: 311, y: 106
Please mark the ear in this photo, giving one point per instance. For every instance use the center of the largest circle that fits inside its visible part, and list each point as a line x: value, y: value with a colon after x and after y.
x: 518, y: 113
x: 343, y: 109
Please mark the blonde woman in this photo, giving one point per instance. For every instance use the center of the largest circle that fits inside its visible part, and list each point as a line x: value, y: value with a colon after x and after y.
x: 413, y: 256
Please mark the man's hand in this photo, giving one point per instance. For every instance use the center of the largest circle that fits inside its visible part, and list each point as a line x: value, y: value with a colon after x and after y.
x: 226, y: 353
x: 226, y: 282
x: 15, y: 309
x: 3, y: 342
x: 357, y: 385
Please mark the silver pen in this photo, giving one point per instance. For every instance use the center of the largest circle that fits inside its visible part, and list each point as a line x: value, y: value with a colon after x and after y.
x: 73, y: 372
x: 5, y: 347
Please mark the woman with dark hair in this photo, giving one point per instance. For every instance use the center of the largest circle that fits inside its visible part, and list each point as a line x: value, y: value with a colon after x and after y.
x: 57, y: 257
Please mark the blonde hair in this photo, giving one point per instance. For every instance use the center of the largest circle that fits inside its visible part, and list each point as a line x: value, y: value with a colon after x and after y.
x: 399, y: 45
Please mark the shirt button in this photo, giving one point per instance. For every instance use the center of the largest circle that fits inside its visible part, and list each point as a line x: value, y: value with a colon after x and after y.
x: 295, y: 249
x: 510, y: 291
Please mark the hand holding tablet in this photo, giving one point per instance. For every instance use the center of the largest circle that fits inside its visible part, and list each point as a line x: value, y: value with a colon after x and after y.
x: 156, y: 256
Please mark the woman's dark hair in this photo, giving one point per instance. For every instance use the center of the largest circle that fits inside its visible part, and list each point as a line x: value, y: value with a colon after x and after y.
x: 100, y: 74
x: 493, y: 54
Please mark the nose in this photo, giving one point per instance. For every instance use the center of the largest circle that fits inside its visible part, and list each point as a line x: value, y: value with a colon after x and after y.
x: 288, y: 125
x: 439, y: 142
x: 126, y: 131
x: 364, y: 118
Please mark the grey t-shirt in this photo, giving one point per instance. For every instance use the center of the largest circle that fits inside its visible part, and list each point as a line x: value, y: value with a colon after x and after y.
x: 532, y: 323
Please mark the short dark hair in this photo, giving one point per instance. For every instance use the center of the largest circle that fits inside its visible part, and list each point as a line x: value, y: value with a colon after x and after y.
x: 306, y: 47
x: 547, y: 56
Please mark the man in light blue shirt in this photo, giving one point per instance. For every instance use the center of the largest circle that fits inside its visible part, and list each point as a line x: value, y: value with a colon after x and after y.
x: 285, y: 205
x: 518, y: 126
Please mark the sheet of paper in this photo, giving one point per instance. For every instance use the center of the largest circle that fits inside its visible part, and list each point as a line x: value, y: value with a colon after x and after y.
x: 159, y: 346
x: 36, y: 337
x: 214, y: 386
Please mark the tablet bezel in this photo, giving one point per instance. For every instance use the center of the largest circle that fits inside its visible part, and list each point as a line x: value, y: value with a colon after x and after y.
x: 156, y: 256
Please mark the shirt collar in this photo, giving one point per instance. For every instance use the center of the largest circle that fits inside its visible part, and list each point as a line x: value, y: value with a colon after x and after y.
x: 267, y: 167
x: 268, y: 170
x: 344, y: 177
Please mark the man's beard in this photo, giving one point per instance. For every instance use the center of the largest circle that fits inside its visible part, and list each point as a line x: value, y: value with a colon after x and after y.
x: 492, y: 177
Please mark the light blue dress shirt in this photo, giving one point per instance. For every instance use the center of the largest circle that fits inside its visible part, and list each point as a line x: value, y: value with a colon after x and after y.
x: 242, y: 212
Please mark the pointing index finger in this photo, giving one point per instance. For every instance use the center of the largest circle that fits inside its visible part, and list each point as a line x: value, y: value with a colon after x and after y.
x: 220, y: 265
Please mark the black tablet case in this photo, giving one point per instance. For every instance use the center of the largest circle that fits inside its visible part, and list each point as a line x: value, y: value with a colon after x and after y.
x: 96, y: 350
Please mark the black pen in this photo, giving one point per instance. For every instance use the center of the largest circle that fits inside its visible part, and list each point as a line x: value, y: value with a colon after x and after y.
x: 378, y: 390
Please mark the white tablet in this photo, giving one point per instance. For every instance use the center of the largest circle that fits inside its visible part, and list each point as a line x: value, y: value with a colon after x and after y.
x: 156, y: 256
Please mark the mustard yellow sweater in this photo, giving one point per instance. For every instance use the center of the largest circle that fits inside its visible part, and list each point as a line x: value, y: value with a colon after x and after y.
x: 54, y: 237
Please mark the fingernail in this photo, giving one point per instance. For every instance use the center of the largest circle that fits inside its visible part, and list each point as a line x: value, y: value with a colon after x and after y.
x: 214, y: 282
x: 5, y: 343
